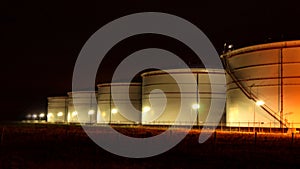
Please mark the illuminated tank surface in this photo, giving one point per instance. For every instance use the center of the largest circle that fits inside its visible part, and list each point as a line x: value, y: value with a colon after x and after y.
x: 109, y: 112
x: 85, y: 110
x: 57, y: 108
x: 198, y: 100
x: 263, y: 85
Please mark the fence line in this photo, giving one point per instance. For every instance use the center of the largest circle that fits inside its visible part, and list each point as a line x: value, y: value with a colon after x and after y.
x: 270, y: 127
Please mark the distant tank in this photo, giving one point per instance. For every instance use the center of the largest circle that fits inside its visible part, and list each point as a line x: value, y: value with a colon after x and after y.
x: 197, y: 97
x: 111, y: 113
x: 82, y: 107
x: 57, y: 109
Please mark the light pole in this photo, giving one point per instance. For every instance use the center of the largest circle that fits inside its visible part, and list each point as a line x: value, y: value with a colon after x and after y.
x: 196, y: 107
x: 113, y: 111
x: 59, y: 115
x: 91, y: 113
x: 74, y: 116
x: 253, y: 104
x: 34, y: 116
x: 41, y: 116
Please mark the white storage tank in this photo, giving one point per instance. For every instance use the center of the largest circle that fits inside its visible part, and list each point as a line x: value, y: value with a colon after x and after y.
x: 57, y: 109
x: 72, y: 115
x: 198, y: 98
x: 111, y: 113
x: 264, y: 85
x: 82, y: 107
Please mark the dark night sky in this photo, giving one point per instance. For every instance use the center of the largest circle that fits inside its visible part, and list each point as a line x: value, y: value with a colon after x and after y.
x: 40, y: 40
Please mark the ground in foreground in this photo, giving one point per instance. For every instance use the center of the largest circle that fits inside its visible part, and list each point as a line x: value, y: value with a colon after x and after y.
x: 67, y: 146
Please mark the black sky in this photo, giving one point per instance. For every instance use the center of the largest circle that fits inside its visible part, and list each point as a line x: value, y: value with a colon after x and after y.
x: 40, y: 40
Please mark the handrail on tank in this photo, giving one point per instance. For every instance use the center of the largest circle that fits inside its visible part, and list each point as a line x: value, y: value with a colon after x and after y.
x: 251, y: 96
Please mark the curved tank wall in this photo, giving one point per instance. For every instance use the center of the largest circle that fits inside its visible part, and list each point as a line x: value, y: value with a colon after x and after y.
x: 112, y: 110
x: 85, y: 110
x: 264, y: 85
x: 57, y: 109
x: 199, y: 100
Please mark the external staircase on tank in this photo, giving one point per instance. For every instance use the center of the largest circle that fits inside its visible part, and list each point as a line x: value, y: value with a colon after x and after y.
x: 252, y: 96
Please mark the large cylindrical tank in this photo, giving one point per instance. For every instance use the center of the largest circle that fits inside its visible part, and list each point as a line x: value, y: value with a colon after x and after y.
x: 264, y: 85
x: 111, y: 113
x: 57, y: 109
x: 197, y: 97
x: 82, y: 107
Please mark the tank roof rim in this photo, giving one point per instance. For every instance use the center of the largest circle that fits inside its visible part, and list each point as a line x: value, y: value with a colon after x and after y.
x: 82, y: 92
x: 265, y: 46
x: 194, y: 70
x: 119, y: 84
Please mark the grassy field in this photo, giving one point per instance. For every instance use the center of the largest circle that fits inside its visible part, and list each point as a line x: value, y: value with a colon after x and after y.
x: 62, y: 146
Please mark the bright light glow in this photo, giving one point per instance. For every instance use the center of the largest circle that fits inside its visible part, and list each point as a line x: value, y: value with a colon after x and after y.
x: 68, y: 117
x: 103, y: 114
x: 49, y: 115
x: 114, y: 111
x: 42, y: 115
x: 34, y: 116
x: 146, y: 109
x: 59, y: 114
x: 260, y: 103
x: 28, y: 116
x: 230, y: 46
x: 195, y: 106
x: 91, y: 112
x: 74, y: 113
